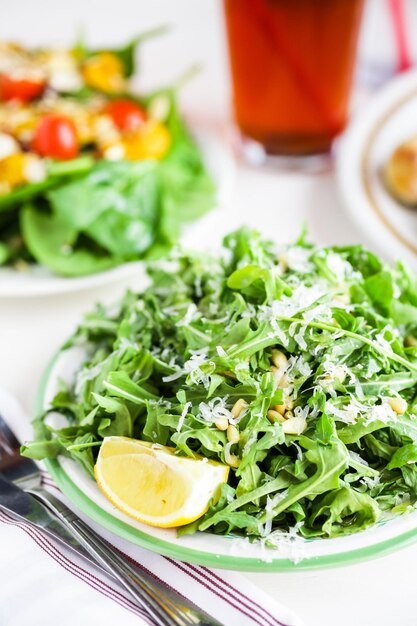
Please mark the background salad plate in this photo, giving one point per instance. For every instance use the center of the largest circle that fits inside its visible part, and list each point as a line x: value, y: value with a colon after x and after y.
x: 39, y: 281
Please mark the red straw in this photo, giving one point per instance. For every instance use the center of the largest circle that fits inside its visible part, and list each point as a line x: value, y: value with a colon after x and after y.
x: 397, y: 9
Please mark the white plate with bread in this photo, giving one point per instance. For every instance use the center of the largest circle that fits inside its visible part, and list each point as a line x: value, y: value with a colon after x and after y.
x: 377, y: 169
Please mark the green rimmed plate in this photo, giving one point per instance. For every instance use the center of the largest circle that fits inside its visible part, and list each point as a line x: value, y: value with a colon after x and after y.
x: 208, y: 549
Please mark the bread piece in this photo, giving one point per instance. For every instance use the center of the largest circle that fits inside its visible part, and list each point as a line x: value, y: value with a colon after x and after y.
x: 400, y: 172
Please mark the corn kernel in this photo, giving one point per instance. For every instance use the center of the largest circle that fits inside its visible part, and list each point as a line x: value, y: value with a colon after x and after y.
x: 12, y: 169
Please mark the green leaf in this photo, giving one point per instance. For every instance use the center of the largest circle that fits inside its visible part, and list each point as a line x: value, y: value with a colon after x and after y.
x: 114, y: 205
x: 121, y: 424
x: 57, y: 173
x: 404, y: 313
x: 272, y: 486
x: 38, y: 450
x: 153, y: 429
x: 397, y: 381
x: 245, y: 276
x: 380, y: 290
x: 126, y: 53
x: 345, y: 511
x: 354, y: 432
x: 51, y: 240
x: 402, y: 456
x: 119, y: 384
x: 4, y: 253
x: 325, y: 430
x: 330, y: 461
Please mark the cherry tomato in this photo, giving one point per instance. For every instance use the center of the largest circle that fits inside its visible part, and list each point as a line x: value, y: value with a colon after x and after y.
x: 127, y: 115
x: 23, y: 89
x: 56, y: 137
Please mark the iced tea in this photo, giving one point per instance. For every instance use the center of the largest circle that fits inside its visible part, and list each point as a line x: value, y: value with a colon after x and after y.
x: 292, y: 63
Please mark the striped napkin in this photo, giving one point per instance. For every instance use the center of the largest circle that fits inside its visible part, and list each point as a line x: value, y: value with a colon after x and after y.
x: 34, y: 567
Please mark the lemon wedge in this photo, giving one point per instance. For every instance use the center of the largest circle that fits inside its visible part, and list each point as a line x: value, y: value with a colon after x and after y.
x: 150, y: 483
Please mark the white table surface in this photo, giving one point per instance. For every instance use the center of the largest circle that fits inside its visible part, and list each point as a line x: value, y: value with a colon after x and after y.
x: 380, y: 592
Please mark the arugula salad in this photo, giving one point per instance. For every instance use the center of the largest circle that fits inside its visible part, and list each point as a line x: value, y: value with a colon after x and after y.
x: 91, y: 174
x: 294, y: 366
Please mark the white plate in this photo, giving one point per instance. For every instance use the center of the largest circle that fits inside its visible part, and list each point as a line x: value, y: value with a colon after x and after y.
x: 388, y: 119
x: 39, y: 281
x: 205, y: 548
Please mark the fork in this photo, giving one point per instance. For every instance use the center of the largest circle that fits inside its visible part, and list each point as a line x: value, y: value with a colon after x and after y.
x: 165, y: 606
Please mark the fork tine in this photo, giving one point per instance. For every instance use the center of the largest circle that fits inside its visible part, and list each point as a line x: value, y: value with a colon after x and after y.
x: 7, y: 435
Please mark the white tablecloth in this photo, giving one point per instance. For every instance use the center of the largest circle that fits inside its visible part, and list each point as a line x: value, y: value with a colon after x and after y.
x: 377, y: 593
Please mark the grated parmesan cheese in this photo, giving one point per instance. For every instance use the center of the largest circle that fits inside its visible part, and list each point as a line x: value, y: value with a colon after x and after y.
x: 183, y: 415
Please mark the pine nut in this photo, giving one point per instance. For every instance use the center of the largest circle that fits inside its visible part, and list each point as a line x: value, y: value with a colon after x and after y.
x: 275, y: 416
x: 343, y: 298
x: 233, y: 434
x: 294, y: 425
x: 283, y: 262
x: 221, y: 423
x: 238, y: 407
x: 283, y: 382
x: 280, y: 378
x: 279, y: 408
x: 231, y: 459
x: 288, y: 402
x: 286, y: 405
x: 279, y: 359
x: 399, y: 405
x: 277, y: 373
x: 338, y: 374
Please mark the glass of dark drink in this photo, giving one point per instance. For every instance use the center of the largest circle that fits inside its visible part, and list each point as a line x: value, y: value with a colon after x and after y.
x: 292, y: 64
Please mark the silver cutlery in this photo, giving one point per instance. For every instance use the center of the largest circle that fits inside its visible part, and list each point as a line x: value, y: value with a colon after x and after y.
x: 26, y: 508
x: 20, y: 476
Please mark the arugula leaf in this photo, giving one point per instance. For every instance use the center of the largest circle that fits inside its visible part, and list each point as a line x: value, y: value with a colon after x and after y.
x: 320, y: 449
x: 120, y: 424
x: 402, y: 456
x: 345, y: 511
x: 380, y: 290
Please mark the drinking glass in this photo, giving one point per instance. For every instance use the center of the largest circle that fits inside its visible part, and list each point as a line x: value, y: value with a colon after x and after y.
x: 292, y: 64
